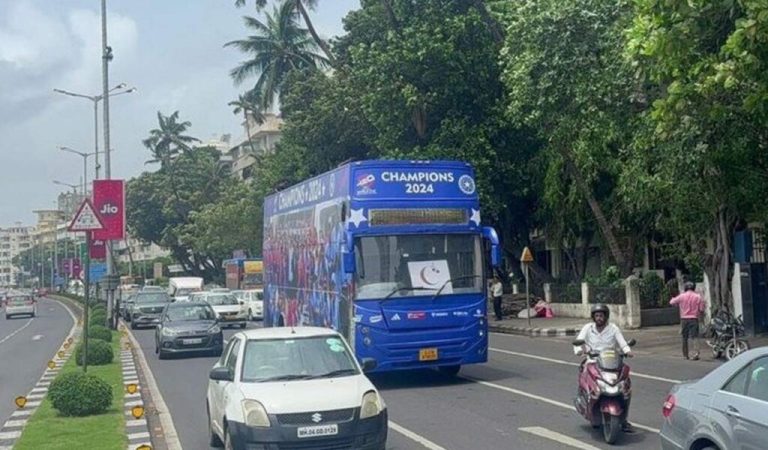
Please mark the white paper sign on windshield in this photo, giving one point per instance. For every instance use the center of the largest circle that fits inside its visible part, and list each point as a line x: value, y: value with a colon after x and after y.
x: 430, y: 275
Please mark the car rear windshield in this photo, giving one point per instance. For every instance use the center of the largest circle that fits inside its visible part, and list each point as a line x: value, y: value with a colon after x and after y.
x: 190, y: 312
x: 221, y: 299
x: 300, y: 358
x: 152, y: 297
x: 15, y: 301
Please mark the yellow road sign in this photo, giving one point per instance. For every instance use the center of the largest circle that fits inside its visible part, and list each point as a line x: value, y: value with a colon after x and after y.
x: 137, y: 412
x: 20, y: 401
x: 527, y: 256
x: 132, y: 388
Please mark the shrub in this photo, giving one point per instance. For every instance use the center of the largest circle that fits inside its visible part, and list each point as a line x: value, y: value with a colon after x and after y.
x: 98, y: 308
x: 99, y: 353
x: 80, y: 394
x: 652, y: 290
x: 97, y: 318
x: 100, y: 332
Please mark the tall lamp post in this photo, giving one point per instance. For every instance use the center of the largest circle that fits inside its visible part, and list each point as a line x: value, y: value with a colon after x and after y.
x: 85, y: 166
x: 96, y: 99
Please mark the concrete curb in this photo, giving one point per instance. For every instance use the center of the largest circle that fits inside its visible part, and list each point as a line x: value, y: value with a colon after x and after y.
x: 534, y: 332
x: 136, y: 429
x: 12, y: 429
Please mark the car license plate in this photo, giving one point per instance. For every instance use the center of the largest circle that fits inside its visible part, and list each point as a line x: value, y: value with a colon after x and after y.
x: 192, y: 341
x: 428, y: 354
x: 319, y: 430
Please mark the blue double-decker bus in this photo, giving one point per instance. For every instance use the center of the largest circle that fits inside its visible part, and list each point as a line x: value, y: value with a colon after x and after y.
x: 392, y: 254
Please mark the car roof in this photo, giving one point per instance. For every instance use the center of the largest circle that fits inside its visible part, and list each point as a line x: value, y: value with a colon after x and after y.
x: 287, y: 332
x: 187, y: 304
x: 718, y: 377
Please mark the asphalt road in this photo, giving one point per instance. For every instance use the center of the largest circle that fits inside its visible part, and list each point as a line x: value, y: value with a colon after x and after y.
x: 26, y: 346
x: 520, y: 399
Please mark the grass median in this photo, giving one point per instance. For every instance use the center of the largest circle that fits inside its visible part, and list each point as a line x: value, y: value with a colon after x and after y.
x: 48, y: 430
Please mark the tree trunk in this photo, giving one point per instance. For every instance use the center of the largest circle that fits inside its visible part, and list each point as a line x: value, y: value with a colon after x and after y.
x: 489, y: 21
x: 391, y: 15
x: 320, y: 43
x: 605, y: 226
x: 720, y: 263
x: 248, y: 131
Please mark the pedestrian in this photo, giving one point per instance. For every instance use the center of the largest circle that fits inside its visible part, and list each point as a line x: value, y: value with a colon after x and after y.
x: 691, y: 306
x: 497, y: 289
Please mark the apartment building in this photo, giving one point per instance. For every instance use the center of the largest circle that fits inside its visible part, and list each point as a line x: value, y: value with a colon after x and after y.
x: 13, y: 240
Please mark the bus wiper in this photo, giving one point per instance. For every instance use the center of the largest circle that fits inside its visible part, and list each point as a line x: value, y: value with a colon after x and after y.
x: 335, y: 373
x: 451, y: 281
x: 406, y: 288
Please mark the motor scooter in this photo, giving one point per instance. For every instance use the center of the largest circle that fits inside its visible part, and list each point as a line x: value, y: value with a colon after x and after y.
x: 605, y: 390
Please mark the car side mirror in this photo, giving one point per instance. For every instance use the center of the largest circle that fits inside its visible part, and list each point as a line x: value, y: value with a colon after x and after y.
x: 221, y: 374
x: 578, y: 342
x: 368, y: 364
x: 631, y: 342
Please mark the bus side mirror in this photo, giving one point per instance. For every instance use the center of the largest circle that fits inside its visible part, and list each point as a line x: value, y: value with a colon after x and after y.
x: 490, y: 234
x: 348, y: 255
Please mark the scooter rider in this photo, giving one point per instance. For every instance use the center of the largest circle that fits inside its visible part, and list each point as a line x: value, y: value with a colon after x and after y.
x: 600, y: 335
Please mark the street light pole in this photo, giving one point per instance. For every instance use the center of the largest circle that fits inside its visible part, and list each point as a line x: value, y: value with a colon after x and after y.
x: 85, y: 166
x: 106, y: 57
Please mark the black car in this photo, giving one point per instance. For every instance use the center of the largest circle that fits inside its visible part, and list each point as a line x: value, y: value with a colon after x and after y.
x: 188, y: 328
x: 147, y: 308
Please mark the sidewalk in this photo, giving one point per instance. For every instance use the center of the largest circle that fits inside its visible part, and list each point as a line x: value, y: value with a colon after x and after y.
x: 663, y: 340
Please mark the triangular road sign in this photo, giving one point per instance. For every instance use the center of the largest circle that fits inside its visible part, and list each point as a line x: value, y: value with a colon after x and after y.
x: 86, y: 218
x: 527, y: 256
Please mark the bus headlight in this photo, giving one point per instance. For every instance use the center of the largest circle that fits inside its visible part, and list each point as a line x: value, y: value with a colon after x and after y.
x: 373, y: 405
x: 255, y: 414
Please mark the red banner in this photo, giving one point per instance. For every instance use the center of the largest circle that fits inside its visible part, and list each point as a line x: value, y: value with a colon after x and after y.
x: 109, y: 202
x: 98, y: 249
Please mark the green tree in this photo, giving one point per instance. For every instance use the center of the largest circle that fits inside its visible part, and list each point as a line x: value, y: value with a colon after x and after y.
x: 567, y: 80
x: 278, y: 47
x: 168, y: 140
x: 704, y: 68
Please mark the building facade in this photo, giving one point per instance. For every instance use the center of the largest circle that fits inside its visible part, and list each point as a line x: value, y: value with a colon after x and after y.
x: 13, y: 240
x: 263, y: 139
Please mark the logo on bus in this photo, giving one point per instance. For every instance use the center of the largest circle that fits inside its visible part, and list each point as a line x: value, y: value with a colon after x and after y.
x: 467, y: 184
x: 366, y: 184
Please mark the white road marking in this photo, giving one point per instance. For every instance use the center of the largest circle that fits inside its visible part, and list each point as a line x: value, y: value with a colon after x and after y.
x: 415, y: 437
x: 543, y: 399
x: 37, y: 337
x: 15, y: 423
x: 10, y: 435
x: 17, y: 331
x: 569, y: 363
x: 557, y: 437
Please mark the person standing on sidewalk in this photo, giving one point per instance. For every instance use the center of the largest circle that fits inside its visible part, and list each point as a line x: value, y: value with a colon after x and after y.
x: 691, y: 306
x: 497, y: 289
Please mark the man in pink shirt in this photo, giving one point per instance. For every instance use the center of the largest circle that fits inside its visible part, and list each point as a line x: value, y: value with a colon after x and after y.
x: 691, y: 306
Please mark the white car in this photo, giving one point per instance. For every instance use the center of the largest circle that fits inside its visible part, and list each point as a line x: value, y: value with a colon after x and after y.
x: 254, y: 301
x: 20, y: 305
x: 228, y: 308
x: 293, y: 387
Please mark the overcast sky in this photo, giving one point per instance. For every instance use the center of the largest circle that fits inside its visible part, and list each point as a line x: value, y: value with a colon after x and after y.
x: 171, y: 50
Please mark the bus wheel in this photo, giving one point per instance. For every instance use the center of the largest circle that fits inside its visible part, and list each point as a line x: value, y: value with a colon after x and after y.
x: 450, y: 370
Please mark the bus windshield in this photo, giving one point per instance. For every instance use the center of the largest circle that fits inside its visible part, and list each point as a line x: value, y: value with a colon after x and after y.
x: 408, y: 265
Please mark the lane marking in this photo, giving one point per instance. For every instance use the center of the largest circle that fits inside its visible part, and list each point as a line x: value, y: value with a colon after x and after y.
x: 415, y: 437
x: 37, y: 337
x: 543, y: 399
x: 557, y: 437
x: 569, y: 363
x: 17, y: 331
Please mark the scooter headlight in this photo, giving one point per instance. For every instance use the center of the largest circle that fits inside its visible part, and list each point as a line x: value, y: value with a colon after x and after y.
x: 607, y: 388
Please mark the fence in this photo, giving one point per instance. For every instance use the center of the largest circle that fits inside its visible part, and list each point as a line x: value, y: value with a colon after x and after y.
x: 565, y: 293
x: 574, y: 300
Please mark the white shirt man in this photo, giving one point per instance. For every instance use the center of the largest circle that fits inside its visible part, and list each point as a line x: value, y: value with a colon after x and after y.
x: 609, y: 337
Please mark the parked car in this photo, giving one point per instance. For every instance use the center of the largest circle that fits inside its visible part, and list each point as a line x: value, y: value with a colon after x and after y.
x: 299, y: 388
x: 188, y: 328
x: 20, y: 305
x: 229, y: 309
x: 148, y: 307
x: 727, y: 409
x: 254, y: 302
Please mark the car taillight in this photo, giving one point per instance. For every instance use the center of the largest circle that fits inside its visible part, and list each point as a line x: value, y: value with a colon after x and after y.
x: 669, y: 405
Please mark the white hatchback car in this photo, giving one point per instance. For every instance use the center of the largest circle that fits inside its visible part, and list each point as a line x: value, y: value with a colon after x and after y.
x: 20, y: 305
x: 230, y: 310
x: 298, y: 387
x: 254, y: 301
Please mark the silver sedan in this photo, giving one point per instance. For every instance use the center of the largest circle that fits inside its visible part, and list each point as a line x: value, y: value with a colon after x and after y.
x: 727, y: 409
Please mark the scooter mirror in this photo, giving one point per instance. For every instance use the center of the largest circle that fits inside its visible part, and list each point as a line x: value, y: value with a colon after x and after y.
x: 631, y: 342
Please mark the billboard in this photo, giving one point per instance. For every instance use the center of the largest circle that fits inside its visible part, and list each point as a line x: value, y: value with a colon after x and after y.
x: 98, y: 249
x: 109, y: 202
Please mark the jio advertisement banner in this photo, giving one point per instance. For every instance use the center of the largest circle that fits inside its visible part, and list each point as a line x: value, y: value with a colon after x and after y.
x: 98, y: 249
x: 109, y: 202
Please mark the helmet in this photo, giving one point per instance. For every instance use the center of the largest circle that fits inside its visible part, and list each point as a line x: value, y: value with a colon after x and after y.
x: 600, y: 307
x: 688, y: 286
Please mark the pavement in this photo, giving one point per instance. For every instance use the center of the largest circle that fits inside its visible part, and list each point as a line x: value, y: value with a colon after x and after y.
x: 520, y: 398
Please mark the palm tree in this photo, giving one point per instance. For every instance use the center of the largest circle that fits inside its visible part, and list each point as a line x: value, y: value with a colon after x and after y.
x: 279, y: 46
x: 250, y: 105
x: 301, y: 8
x: 168, y: 140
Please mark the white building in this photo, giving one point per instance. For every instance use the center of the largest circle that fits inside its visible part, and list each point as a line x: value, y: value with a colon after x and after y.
x: 13, y: 241
x: 263, y: 139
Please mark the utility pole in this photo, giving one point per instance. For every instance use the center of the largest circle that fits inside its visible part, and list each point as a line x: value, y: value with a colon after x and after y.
x: 106, y: 57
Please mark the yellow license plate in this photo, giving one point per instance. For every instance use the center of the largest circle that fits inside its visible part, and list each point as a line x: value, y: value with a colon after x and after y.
x: 428, y: 354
